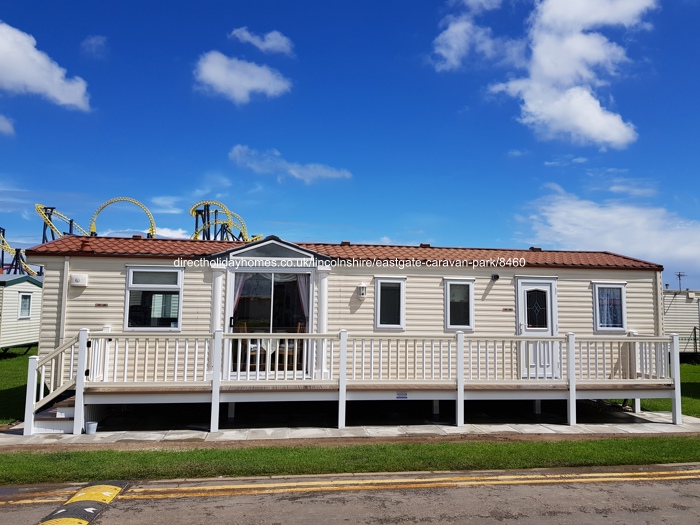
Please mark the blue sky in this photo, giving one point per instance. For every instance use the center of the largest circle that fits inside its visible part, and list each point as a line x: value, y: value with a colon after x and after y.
x: 567, y: 124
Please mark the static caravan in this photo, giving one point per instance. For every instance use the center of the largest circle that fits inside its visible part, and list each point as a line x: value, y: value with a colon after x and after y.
x: 20, y: 306
x: 682, y: 317
x: 174, y: 321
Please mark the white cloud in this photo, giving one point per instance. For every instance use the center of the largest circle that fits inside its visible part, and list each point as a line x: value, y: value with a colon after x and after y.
x: 565, y: 160
x: 482, y: 5
x: 237, y: 79
x: 25, y: 69
x: 462, y: 36
x: 566, y: 221
x: 517, y: 152
x: 212, y: 182
x: 166, y: 204
x: 271, y: 162
x: 631, y: 187
x: 272, y: 42
x: 94, y: 46
x: 171, y: 233
x: 6, y: 126
x: 568, y: 62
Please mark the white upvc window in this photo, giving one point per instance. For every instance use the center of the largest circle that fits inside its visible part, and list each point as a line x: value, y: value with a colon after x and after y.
x: 459, y: 304
x: 154, y: 298
x: 390, y: 303
x: 25, y: 306
x: 609, y: 307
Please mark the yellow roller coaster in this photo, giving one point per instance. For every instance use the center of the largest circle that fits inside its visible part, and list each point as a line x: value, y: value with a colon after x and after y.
x: 47, y: 214
x: 151, y: 229
x: 208, y: 215
x: 4, y: 246
x: 227, y: 224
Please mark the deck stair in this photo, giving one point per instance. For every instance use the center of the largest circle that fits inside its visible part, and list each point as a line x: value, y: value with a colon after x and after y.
x: 58, y: 418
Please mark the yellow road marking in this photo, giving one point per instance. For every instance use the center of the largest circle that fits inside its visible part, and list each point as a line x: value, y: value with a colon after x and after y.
x: 389, y: 484
x: 481, y: 477
x: 349, y: 485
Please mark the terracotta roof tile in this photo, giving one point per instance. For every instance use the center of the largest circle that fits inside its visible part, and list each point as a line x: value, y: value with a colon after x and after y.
x: 125, y: 246
x: 133, y: 247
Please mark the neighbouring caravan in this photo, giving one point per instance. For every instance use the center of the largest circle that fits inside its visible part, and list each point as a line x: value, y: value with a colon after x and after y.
x: 682, y: 316
x: 20, y: 306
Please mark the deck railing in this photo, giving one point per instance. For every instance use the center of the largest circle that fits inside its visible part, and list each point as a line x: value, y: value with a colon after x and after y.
x: 279, y: 357
x: 148, y: 358
x: 392, y: 358
x: 455, y: 361
x: 624, y: 359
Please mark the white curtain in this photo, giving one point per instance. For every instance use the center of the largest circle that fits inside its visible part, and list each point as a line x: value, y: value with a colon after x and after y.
x: 238, y: 284
x: 610, y: 307
x: 303, y: 283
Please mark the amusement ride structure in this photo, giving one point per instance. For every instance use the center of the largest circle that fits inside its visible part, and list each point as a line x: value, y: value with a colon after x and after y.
x: 219, y: 224
x: 18, y: 265
x: 213, y: 221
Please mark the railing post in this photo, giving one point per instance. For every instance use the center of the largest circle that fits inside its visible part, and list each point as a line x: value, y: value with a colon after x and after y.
x: 460, y: 379
x: 635, y: 356
x: 676, y: 374
x: 571, y: 377
x: 81, y: 370
x: 30, y: 398
x: 216, y: 380
x: 105, y: 353
x: 342, y: 377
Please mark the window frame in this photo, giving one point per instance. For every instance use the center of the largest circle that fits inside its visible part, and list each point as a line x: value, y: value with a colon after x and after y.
x: 597, y: 286
x: 454, y: 328
x: 20, y: 295
x: 130, y: 286
x: 378, y: 281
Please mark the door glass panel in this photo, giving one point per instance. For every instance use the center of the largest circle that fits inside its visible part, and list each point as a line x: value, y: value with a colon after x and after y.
x: 287, y: 309
x: 252, y: 310
x: 537, y: 315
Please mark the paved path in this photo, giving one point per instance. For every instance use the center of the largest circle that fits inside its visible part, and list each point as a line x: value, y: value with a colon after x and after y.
x: 629, y: 424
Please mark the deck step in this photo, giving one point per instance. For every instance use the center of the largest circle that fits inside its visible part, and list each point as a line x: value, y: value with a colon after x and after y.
x: 58, y: 417
x: 51, y: 414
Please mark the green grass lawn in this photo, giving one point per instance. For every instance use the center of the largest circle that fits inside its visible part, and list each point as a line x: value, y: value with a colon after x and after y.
x: 13, y: 382
x: 690, y: 394
x: 45, y: 467
x: 37, y: 467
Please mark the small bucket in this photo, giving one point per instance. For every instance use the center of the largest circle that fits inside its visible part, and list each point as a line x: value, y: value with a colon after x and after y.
x: 91, y: 427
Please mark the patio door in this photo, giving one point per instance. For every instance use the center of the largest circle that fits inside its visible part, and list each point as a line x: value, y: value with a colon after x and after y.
x: 271, y: 303
x: 536, y: 308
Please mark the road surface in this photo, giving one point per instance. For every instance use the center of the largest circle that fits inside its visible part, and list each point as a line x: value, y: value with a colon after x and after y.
x: 632, y: 495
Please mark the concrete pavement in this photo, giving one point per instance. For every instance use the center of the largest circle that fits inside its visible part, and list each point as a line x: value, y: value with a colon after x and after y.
x: 625, y: 423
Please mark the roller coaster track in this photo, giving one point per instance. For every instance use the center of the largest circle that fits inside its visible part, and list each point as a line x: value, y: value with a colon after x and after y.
x: 238, y: 224
x: 47, y: 213
x: 9, y: 249
x: 151, y: 229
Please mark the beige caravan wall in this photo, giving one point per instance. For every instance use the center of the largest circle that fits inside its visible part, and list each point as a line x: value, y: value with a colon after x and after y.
x: 107, y: 287
x: 494, y: 301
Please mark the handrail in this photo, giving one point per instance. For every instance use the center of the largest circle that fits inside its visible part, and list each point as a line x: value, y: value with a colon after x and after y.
x: 53, y: 395
x: 70, y: 342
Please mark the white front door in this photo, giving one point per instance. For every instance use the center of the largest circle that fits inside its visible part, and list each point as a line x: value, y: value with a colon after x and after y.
x: 537, y: 317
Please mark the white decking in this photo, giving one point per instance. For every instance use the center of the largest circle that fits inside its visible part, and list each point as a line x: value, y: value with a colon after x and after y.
x: 120, y: 368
